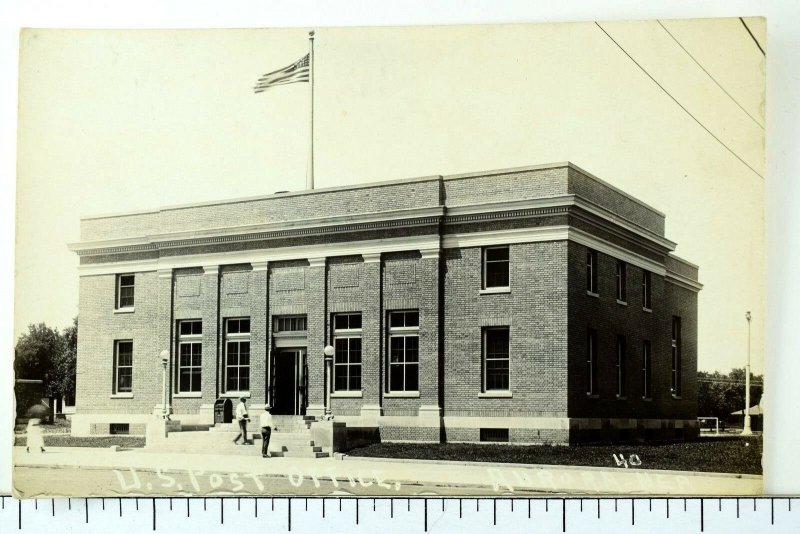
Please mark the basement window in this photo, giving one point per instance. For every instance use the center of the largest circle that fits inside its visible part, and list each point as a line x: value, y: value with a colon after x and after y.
x: 116, y: 429
x: 495, y: 435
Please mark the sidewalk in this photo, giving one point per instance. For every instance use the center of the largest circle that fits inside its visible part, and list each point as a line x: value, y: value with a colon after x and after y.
x: 396, y: 476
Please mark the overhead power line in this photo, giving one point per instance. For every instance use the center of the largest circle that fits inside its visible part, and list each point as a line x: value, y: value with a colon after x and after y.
x: 752, y: 36
x: 709, y: 75
x: 679, y: 104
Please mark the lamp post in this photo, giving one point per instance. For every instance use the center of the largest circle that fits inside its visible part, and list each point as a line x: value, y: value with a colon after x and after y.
x: 747, y: 431
x: 164, y: 361
x: 328, y: 351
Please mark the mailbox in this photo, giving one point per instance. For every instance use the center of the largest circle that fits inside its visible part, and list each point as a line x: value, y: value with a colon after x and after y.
x: 223, y: 411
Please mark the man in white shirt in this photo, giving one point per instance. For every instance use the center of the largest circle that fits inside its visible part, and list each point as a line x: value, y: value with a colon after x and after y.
x: 242, y: 417
x: 266, y: 430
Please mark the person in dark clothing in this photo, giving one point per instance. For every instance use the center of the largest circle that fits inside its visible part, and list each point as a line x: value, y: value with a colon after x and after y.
x: 266, y: 430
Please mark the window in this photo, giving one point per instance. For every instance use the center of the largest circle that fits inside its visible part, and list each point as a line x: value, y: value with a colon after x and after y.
x: 621, y: 364
x: 622, y: 281
x: 496, y: 359
x: 403, y: 351
x: 676, y: 357
x: 646, y: 290
x: 591, y: 271
x: 347, y: 357
x: 116, y: 429
x: 125, y: 287
x: 190, y: 353
x: 495, y: 267
x: 647, y: 371
x: 237, y: 355
x: 591, y: 363
x: 290, y: 323
x: 497, y: 435
x: 123, y: 367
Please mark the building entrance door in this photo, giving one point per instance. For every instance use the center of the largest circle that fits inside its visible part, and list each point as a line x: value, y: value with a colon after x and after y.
x: 289, y: 387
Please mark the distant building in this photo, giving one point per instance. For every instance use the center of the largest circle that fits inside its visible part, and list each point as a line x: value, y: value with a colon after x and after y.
x: 530, y: 305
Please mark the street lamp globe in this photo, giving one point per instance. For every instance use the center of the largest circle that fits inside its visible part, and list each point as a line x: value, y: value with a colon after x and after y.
x: 164, y: 357
x: 328, y: 351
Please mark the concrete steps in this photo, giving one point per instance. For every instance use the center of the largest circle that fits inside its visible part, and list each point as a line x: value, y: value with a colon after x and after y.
x: 291, y: 438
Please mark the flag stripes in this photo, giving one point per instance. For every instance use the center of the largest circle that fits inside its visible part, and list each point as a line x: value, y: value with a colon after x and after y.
x: 295, y: 73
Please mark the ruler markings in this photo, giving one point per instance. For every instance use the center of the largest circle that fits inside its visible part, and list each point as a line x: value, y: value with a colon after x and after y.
x: 19, y: 515
x: 86, y: 508
x: 563, y: 515
x: 667, y: 508
x: 737, y: 508
x: 426, y: 515
x: 289, y: 512
x: 356, y: 511
x: 52, y: 507
x: 633, y: 513
x: 598, y: 508
x: 494, y: 512
x: 701, y: 515
x: 154, y: 515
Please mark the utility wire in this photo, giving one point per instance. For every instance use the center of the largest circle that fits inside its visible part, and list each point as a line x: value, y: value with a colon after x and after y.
x: 709, y: 75
x: 679, y: 104
x: 752, y: 36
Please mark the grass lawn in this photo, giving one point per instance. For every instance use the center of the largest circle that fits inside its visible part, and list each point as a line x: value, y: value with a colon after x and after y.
x: 733, y: 454
x: 65, y: 440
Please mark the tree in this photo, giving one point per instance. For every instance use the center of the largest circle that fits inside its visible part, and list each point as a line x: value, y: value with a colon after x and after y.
x: 62, y: 376
x: 36, y: 351
x: 45, y: 354
x: 719, y: 395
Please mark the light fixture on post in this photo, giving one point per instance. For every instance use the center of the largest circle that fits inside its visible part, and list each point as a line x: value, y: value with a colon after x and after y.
x: 747, y: 430
x: 328, y: 351
x: 164, y: 406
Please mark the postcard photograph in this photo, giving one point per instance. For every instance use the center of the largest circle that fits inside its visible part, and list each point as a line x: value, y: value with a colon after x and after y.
x: 456, y: 260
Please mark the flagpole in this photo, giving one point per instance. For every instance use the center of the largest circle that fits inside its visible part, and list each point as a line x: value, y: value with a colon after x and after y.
x: 310, y: 180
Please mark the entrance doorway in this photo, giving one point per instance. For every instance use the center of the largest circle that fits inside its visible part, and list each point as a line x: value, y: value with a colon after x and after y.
x: 289, y: 382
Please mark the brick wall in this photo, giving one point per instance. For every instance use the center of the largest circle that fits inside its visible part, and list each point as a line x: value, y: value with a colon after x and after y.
x: 611, y: 319
x: 535, y: 311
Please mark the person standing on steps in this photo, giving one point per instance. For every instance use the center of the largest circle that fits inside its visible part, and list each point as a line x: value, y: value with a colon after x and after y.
x: 242, y: 417
x: 266, y: 430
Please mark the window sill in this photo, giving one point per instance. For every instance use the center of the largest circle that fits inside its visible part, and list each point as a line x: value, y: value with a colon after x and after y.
x: 494, y: 290
x: 236, y: 394
x: 495, y: 395
x: 401, y: 395
x: 347, y: 394
x: 121, y: 396
x: 622, y: 302
x: 647, y: 310
x: 593, y: 294
x: 592, y: 396
x: 192, y: 395
x: 123, y: 310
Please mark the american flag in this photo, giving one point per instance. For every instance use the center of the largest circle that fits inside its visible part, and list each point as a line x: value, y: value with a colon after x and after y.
x: 294, y: 73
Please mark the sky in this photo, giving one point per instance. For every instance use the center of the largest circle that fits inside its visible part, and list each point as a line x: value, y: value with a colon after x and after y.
x: 113, y: 121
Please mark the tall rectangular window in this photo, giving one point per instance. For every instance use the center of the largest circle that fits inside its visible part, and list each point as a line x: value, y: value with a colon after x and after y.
x: 621, y: 366
x: 125, y: 291
x: 495, y: 267
x: 676, y: 357
x: 647, y: 371
x: 347, y: 356
x: 591, y: 363
x: 237, y: 355
x: 622, y: 281
x: 123, y: 367
x: 496, y: 359
x: 646, y: 290
x: 403, y: 351
x: 591, y: 271
x: 190, y: 354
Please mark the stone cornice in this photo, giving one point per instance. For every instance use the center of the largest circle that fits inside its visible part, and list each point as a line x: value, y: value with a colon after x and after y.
x: 284, y: 229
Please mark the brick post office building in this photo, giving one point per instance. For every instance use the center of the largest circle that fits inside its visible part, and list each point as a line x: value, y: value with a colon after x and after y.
x: 530, y: 305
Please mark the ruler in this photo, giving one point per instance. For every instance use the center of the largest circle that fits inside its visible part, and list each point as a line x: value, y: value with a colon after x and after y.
x: 395, y: 514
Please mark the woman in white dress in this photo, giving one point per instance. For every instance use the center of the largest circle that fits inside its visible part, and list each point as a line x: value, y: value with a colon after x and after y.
x: 34, y: 437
